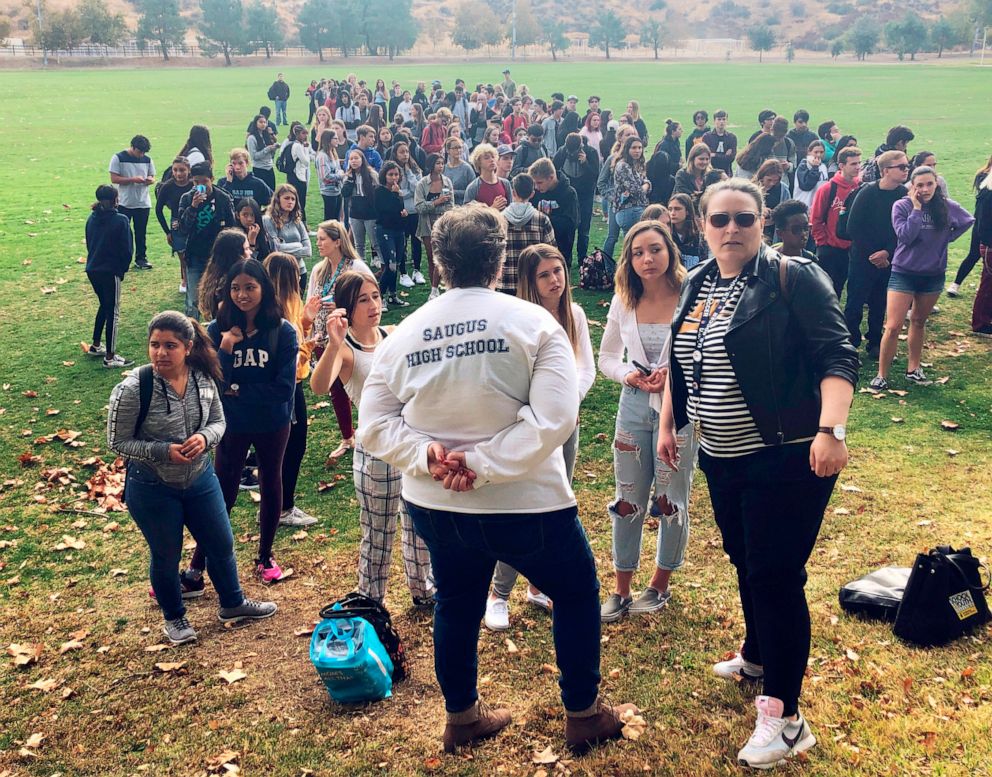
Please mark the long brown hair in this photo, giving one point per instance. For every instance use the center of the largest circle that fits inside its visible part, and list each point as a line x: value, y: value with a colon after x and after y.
x: 275, y: 212
x: 348, y: 288
x: 227, y: 250
x: 527, y: 263
x: 284, y: 272
x: 626, y: 282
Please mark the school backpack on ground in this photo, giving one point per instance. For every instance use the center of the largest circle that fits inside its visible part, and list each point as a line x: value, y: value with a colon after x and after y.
x: 593, y: 274
x: 350, y: 659
x: 359, y: 606
x: 285, y: 163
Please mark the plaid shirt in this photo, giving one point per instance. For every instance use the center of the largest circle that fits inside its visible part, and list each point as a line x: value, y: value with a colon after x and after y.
x: 537, y: 230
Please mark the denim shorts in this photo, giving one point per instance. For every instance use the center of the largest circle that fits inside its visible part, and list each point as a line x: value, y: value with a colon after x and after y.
x: 908, y: 283
x: 178, y: 241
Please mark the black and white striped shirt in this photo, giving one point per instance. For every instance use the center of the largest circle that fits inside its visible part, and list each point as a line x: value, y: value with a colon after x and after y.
x: 726, y: 426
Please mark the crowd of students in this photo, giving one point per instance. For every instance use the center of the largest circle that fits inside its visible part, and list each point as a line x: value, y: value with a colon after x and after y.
x: 766, y: 423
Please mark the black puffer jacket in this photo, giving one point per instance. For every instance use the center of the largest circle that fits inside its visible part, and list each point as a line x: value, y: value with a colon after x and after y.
x: 780, y: 349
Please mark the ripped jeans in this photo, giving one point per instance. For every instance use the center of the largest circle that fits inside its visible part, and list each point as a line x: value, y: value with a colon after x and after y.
x: 637, y: 468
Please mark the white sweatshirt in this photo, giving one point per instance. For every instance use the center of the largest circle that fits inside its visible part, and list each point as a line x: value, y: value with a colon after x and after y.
x: 481, y: 372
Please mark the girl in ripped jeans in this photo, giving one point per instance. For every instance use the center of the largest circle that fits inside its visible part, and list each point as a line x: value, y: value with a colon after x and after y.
x: 648, y: 278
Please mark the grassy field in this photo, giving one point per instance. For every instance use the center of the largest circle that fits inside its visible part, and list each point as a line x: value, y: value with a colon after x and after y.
x: 94, y: 703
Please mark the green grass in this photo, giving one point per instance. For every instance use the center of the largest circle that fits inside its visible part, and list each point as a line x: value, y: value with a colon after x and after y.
x: 895, y: 710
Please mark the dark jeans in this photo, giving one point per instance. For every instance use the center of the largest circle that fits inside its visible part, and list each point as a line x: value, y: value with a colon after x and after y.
x: 161, y: 511
x: 866, y: 285
x: 552, y: 552
x: 565, y: 238
x: 769, y: 506
x: 835, y: 262
x: 108, y: 291
x: 392, y: 243
x: 585, y: 222
x: 139, y: 225
x: 332, y: 206
x: 410, y: 227
x: 270, y: 447
x: 296, y: 447
x: 267, y: 175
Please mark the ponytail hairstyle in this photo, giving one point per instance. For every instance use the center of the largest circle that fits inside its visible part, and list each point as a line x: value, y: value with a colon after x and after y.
x: 937, y: 207
x: 106, y: 197
x: 284, y: 272
x: 527, y: 264
x: 202, y: 355
x: 670, y: 126
x: 348, y: 288
x: 269, y: 313
x: 228, y: 249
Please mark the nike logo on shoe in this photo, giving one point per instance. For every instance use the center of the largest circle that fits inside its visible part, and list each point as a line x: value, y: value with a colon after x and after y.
x: 791, y: 741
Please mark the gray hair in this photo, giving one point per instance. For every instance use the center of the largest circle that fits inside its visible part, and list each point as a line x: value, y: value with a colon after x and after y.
x: 469, y: 245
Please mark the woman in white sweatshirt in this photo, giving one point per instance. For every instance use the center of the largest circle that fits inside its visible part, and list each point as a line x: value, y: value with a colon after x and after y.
x: 647, y: 284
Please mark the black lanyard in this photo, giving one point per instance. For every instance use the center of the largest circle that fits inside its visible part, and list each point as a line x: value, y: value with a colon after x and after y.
x: 696, y: 389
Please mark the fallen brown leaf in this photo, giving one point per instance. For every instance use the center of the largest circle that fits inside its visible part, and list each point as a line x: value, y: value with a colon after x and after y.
x: 546, y: 756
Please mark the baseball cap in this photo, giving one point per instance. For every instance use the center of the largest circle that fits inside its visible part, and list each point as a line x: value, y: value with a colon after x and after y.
x: 507, y: 70
x: 503, y: 149
x: 572, y: 97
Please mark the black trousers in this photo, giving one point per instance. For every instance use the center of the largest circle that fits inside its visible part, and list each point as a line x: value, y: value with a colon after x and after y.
x: 769, y: 506
x: 108, y: 291
x: 296, y: 447
x: 269, y: 176
x: 139, y: 225
x: 835, y: 261
x: 410, y: 227
x: 565, y: 238
x: 585, y: 222
x: 301, y: 193
x: 332, y: 206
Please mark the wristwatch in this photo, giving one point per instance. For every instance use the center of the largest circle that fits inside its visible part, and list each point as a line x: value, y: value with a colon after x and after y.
x: 838, y: 432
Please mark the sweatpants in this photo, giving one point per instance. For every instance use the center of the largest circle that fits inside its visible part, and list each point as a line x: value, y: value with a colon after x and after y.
x: 139, y: 224
x: 108, y: 291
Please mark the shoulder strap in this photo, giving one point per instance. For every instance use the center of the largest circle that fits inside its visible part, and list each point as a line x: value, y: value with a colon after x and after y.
x: 146, y: 386
x: 272, y: 344
x: 783, y: 278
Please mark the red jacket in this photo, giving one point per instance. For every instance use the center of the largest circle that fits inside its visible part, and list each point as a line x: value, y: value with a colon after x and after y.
x: 432, y: 139
x: 823, y: 214
x: 511, y: 124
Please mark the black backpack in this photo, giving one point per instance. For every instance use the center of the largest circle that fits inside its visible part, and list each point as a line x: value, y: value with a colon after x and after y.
x: 356, y: 605
x: 285, y: 163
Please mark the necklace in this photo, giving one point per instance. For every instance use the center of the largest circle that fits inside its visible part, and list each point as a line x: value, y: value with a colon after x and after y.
x: 365, y: 346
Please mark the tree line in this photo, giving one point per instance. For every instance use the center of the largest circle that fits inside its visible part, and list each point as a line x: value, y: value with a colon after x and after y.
x: 232, y: 27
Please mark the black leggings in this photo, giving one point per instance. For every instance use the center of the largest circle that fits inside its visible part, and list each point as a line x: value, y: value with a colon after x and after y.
x: 295, y: 448
x: 410, y: 227
x: 108, y: 291
x: 229, y: 462
x: 267, y: 175
x: 970, y: 260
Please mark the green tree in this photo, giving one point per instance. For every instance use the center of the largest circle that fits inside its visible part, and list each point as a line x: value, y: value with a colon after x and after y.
x: 222, y: 27
x: 528, y: 30
x: 554, y: 35
x: 263, y: 30
x: 837, y: 48
x: 474, y: 26
x: 943, y: 35
x: 160, y: 21
x: 907, y: 35
x: 318, y: 26
x: 4, y: 30
x: 863, y: 38
x: 58, y: 30
x: 387, y: 24
x: 99, y: 26
x: 607, y: 32
x: 981, y: 12
x: 761, y: 38
x: 653, y: 35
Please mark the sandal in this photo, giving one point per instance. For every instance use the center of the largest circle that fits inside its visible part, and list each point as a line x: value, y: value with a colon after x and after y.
x: 342, y: 449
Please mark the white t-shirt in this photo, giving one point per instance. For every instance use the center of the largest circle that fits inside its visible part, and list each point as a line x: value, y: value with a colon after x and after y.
x: 132, y: 195
x: 481, y: 372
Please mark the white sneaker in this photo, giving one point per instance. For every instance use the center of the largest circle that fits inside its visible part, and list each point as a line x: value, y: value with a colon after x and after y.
x: 406, y: 281
x: 376, y: 262
x: 435, y: 293
x: 116, y: 362
x: 539, y: 599
x: 294, y: 516
x: 418, y: 277
x: 775, y: 738
x: 182, y: 288
x: 497, y: 614
x: 954, y: 290
x: 738, y: 666
x: 384, y: 307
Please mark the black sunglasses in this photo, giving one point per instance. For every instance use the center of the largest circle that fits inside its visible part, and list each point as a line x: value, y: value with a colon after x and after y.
x: 744, y: 219
x: 904, y: 168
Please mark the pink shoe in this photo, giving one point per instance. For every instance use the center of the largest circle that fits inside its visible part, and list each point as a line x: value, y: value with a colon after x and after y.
x: 268, y: 574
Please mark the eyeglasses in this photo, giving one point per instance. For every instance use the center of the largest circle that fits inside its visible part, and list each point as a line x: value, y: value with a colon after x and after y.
x: 798, y: 229
x: 904, y: 168
x: 744, y: 219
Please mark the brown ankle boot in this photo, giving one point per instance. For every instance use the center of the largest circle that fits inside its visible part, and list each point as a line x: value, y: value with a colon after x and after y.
x: 583, y: 733
x: 488, y: 724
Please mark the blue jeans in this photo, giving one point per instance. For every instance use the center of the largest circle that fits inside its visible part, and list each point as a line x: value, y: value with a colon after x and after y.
x: 281, y: 112
x: 612, y: 234
x: 637, y: 469
x: 392, y: 244
x: 550, y: 550
x: 622, y: 219
x: 193, y: 274
x: 161, y: 511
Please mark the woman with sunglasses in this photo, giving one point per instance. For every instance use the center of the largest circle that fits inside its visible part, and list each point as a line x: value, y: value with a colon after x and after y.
x: 763, y: 368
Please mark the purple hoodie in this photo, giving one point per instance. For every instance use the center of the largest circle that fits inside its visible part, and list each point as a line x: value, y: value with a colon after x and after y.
x: 921, y: 249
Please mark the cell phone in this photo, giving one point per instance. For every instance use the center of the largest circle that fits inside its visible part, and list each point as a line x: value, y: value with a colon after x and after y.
x: 640, y: 367
x: 328, y: 298
x: 201, y: 189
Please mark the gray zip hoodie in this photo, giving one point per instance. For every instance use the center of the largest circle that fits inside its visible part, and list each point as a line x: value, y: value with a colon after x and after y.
x: 171, y: 419
x: 519, y: 213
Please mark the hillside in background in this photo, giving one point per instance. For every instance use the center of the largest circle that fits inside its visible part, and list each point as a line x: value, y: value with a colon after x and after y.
x: 807, y: 25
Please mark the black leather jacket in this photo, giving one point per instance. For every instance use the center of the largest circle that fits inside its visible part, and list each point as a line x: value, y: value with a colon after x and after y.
x: 780, y: 347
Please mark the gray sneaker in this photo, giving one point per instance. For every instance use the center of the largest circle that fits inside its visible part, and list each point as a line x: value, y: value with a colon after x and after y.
x: 248, y: 610
x: 179, y: 631
x: 614, y: 608
x: 650, y: 601
x: 294, y: 516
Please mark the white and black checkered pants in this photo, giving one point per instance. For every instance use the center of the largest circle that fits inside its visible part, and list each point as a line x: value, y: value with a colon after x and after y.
x: 378, y: 486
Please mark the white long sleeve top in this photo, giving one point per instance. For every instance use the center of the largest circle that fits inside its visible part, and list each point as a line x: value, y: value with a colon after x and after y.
x: 480, y: 372
x: 621, y: 335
